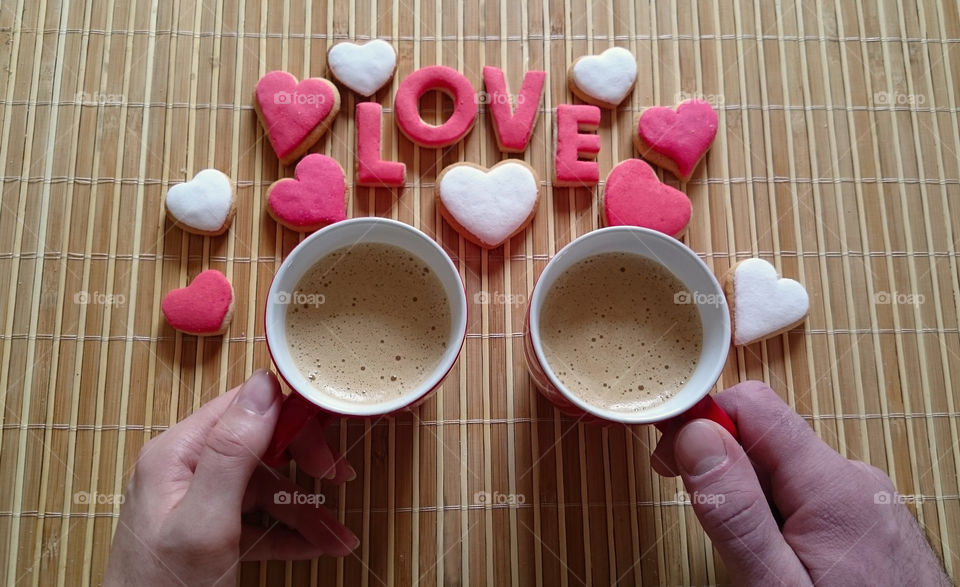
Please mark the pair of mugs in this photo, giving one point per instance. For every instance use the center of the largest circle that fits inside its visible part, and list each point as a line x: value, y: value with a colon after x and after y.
x: 306, y: 402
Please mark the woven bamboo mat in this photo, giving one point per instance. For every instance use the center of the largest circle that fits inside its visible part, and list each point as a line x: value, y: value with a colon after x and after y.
x: 837, y: 160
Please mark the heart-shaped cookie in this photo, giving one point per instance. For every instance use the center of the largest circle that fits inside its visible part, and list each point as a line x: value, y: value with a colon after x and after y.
x: 604, y: 79
x: 364, y: 68
x: 314, y: 198
x: 203, y: 205
x: 204, y: 307
x: 295, y: 114
x: 633, y: 195
x: 762, y: 304
x: 676, y: 139
x: 488, y: 206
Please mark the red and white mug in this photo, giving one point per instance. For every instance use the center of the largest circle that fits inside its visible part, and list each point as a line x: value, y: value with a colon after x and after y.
x: 690, y: 402
x: 305, y: 400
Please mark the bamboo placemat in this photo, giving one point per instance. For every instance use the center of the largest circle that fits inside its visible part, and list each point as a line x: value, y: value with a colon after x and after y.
x: 837, y: 159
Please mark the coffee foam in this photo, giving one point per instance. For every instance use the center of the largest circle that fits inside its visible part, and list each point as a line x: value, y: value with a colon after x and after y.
x: 368, y: 323
x: 615, y: 335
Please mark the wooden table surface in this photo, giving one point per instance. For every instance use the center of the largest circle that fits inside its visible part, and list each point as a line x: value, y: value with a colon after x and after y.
x: 837, y: 160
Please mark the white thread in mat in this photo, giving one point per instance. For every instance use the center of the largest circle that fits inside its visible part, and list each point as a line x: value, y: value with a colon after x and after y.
x: 494, y: 38
x: 75, y: 256
x: 108, y: 103
x: 470, y: 335
x: 453, y: 507
x: 454, y: 422
x: 758, y: 179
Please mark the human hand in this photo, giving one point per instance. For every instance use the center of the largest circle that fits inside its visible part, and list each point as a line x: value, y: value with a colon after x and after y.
x: 833, y: 529
x: 182, y: 520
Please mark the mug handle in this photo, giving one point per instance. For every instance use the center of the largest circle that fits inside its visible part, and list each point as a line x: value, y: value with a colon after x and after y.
x: 295, y: 412
x: 707, y: 409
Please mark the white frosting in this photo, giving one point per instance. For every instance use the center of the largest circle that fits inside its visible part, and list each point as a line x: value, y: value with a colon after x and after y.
x: 607, y: 77
x: 763, y: 302
x: 363, y: 68
x: 204, y: 202
x: 490, y: 204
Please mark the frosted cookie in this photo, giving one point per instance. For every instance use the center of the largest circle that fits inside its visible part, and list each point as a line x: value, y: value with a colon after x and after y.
x: 294, y: 114
x: 204, y: 308
x: 604, y: 79
x: 761, y: 303
x: 573, y: 164
x: 313, y: 198
x: 406, y: 106
x: 677, y: 139
x: 633, y: 195
x: 364, y: 67
x: 513, y: 129
x: 488, y: 206
x: 372, y: 171
x: 204, y: 205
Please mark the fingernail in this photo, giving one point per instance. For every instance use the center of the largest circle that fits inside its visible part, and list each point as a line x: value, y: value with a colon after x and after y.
x: 699, y: 447
x: 352, y: 541
x: 351, y: 472
x: 259, y: 392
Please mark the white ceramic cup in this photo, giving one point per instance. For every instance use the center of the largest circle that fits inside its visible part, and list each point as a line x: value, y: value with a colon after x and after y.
x: 306, y: 401
x: 700, y: 288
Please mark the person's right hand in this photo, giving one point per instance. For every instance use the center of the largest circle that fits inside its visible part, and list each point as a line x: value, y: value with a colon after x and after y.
x: 841, y: 521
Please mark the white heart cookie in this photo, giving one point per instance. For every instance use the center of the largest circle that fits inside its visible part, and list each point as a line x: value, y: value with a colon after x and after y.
x: 605, y: 79
x: 762, y: 303
x: 363, y: 68
x: 204, y: 204
x: 488, y: 206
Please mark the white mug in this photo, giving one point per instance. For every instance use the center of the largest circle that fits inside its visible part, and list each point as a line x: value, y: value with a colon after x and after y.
x: 702, y: 288
x: 306, y: 401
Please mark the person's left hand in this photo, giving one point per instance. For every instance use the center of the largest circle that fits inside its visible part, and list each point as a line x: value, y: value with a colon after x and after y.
x: 183, y: 519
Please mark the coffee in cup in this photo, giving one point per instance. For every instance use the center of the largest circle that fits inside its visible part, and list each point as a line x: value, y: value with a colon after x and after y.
x: 617, y: 333
x: 368, y: 323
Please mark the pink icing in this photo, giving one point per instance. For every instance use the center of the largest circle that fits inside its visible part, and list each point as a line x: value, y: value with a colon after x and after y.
x: 200, y: 307
x: 572, y: 144
x: 314, y: 198
x: 407, y: 106
x: 513, y: 128
x: 682, y: 135
x: 635, y: 196
x: 371, y: 169
x: 290, y: 110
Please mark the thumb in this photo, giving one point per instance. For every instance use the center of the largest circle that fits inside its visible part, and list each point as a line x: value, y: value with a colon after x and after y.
x: 235, y: 446
x: 732, y: 508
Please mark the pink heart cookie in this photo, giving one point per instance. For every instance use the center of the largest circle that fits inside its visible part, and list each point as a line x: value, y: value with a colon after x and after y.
x: 295, y: 114
x: 676, y: 139
x: 634, y: 196
x: 204, y: 307
x: 315, y: 197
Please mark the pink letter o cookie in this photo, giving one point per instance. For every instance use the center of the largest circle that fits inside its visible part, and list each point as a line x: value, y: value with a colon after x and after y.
x: 444, y: 79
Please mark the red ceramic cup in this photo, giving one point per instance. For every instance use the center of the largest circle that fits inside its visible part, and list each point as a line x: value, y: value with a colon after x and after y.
x: 306, y: 401
x: 700, y: 287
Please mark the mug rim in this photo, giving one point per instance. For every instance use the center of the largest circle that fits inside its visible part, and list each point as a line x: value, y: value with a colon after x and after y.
x: 458, y: 305
x: 629, y: 417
